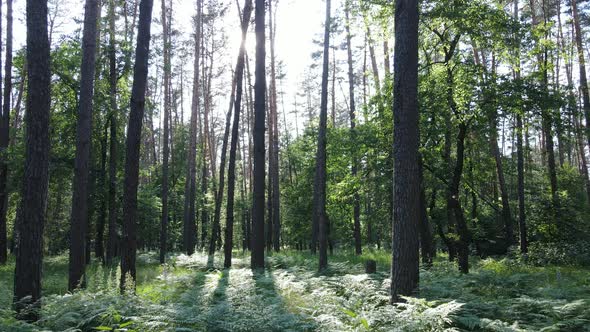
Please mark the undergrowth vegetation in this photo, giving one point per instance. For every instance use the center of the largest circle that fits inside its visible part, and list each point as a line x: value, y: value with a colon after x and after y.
x: 195, y: 294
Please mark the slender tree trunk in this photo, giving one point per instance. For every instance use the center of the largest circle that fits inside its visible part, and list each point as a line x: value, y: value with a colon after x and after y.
x: 373, y: 57
x: 79, y: 216
x: 497, y: 155
x: 319, y: 192
x: 427, y: 249
x: 137, y: 107
x: 546, y: 117
x: 101, y: 219
x: 112, y: 235
x: 582, y: 66
x: 231, y: 176
x: 455, y: 204
x: 333, y: 89
x: 5, y: 134
x: 520, y: 154
x: 356, y: 198
x: 448, y: 160
x: 32, y: 209
x: 269, y: 210
x: 211, y: 149
x: 406, y: 185
x: 166, y: 148
x: 274, y: 156
x: 189, y: 231
x: 257, y: 257
x: 506, y: 214
x: 386, y: 55
x: 204, y: 202
x: 219, y: 193
x: 521, y: 202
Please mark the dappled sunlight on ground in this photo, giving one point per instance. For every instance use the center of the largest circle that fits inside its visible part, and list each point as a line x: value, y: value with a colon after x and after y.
x: 194, y: 293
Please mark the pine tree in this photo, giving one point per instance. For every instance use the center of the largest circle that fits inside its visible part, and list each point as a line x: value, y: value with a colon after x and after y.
x: 137, y: 107
x: 406, y: 136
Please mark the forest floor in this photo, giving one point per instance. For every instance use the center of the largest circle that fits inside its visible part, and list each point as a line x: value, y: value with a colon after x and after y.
x: 196, y: 294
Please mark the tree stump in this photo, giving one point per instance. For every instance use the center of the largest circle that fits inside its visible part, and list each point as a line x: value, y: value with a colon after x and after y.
x: 370, y: 266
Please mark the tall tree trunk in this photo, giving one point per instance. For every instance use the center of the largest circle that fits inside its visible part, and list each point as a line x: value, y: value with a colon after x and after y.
x: 495, y: 149
x: 373, y: 57
x: 546, y: 117
x: 189, y: 231
x: 269, y: 210
x: 204, y: 202
x: 406, y: 135
x: 582, y: 66
x: 520, y: 153
x: 166, y: 148
x: 449, y: 53
x: 79, y: 216
x: 386, y: 55
x: 112, y: 235
x: 101, y: 219
x: 427, y: 249
x: 333, y: 89
x: 5, y: 134
x: 210, y: 147
x: 506, y: 214
x: 447, y: 156
x: 274, y: 156
x: 356, y: 199
x: 32, y: 209
x: 257, y: 257
x: 462, y: 244
x: 137, y: 107
x: 319, y: 192
x: 231, y: 175
x: 219, y: 193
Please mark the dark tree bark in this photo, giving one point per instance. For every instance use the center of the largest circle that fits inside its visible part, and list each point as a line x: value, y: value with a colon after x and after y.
x: 137, y: 107
x: 274, y: 155
x: 449, y: 53
x: 189, y: 231
x: 101, y: 219
x: 257, y: 257
x: 32, y: 209
x: 520, y: 157
x: 269, y: 193
x: 231, y: 175
x: 166, y: 147
x: 406, y: 186
x: 353, y: 134
x: 5, y: 134
x: 462, y: 245
x: 112, y: 194
x: 319, y: 186
x: 79, y: 216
